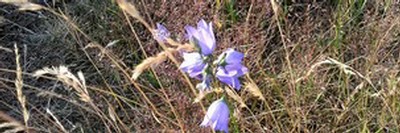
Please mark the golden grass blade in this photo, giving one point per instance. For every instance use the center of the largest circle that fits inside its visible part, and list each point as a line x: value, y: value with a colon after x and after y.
x: 236, y: 97
x: 345, y: 68
x: 147, y: 63
x: 18, y: 86
x: 129, y: 8
x: 5, y: 49
x: 56, y: 120
x: 64, y: 75
x: 24, y: 5
x: 9, y: 124
x: 277, y: 9
x: 132, y: 11
x: 14, y: 1
x: 201, y: 95
x: 152, y: 62
x: 253, y: 89
x: 29, y: 7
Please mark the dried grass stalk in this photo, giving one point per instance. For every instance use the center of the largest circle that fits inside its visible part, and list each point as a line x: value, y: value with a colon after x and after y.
x: 56, y: 120
x: 129, y: 8
x: 64, y: 75
x: 18, y: 86
x: 235, y: 96
x: 277, y: 9
x: 5, y: 49
x: 253, y: 89
x: 10, y: 125
x: 24, y: 5
x: 147, y: 63
x: 154, y: 61
x: 132, y: 11
x: 345, y: 68
x: 203, y: 94
x: 13, y: 1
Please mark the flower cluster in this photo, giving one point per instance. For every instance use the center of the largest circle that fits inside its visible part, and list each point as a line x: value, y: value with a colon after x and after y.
x: 227, y: 68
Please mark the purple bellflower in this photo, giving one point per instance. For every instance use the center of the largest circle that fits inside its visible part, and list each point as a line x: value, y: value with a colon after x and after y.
x: 230, y: 68
x: 193, y: 64
x: 161, y: 33
x: 217, y: 116
x: 203, y: 36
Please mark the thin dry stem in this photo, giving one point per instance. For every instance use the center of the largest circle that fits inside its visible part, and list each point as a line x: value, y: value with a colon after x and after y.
x: 10, y: 124
x: 5, y: 49
x: 152, y: 62
x: 18, y: 87
x: 64, y: 75
x: 235, y: 96
x: 24, y: 5
x: 253, y: 89
x: 345, y: 68
x: 56, y: 120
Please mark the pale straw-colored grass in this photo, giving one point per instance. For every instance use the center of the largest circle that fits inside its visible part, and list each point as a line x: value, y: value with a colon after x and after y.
x: 10, y: 125
x: 18, y: 86
x: 154, y: 61
x: 65, y: 76
x: 24, y: 5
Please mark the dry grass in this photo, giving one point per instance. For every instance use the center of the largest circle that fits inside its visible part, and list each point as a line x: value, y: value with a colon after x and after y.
x: 315, y: 66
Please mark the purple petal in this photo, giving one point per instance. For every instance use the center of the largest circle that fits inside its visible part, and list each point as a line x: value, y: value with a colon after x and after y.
x: 233, y: 56
x: 193, y: 64
x: 161, y: 27
x: 238, y: 68
x: 202, y: 24
x: 221, y: 125
x: 231, y: 81
x: 206, y: 42
x: 191, y: 60
x: 222, y: 72
x: 230, y: 74
x: 230, y: 68
x: 161, y: 33
x: 236, y: 84
x: 217, y: 116
x: 196, y: 72
x: 204, y: 36
x: 210, y: 30
x: 190, y: 31
x: 244, y: 70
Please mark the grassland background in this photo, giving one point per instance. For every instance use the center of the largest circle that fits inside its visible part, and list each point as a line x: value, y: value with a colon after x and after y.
x: 287, y: 51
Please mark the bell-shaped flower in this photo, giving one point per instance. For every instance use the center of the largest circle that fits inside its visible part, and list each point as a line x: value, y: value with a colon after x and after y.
x: 203, y: 36
x: 161, y: 33
x: 217, y: 116
x: 193, y: 64
x: 230, y: 68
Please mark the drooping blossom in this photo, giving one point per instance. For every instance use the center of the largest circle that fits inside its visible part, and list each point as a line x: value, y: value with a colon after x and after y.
x: 161, y: 33
x: 203, y: 36
x: 217, y: 116
x: 230, y: 68
x: 193, y: 64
